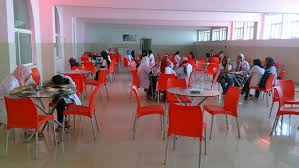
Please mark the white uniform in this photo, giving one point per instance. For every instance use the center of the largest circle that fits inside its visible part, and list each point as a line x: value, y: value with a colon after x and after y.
x: 143, y: 71
x: 181, y: 75
x: 177, y: 59
x: 168, y: 70
x: 256, y: 73
x: 152, y: 60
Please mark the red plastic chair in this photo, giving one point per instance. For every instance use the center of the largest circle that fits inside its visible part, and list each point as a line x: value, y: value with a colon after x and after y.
x: 173, y: 83
x: 282, y: 110
x: 214, y: 74
x: 190, y: 79
x: 146, y: 110
x: 192, y: 63
x: 288, y: 90
x: 214, y: 60
x: 78, y: 79
x: 230, y: 107
x: 201, y: 58
x: 186, y: 121
x: 189, y: 57
x: 22, y: 113
x: 87, y: 111
x: 101, y: 80
x: 76, y: 68
x: 84, y: 58
x: 111, y: 69
x: 277, y: 65
x: 89, y: 66
x: 162, y: 83
x: 35, y: 75
x: 135, y: 80
x: 126, y: 63
x: 133, y: 65
x: 199, y: 66
x: 268, y: 87
x: 281, y: 75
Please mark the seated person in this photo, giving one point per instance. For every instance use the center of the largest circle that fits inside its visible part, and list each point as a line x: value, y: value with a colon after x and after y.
x: 151, y: 58
x: 177, y: 58
x: 184, y: 70
x: 18, y: 81
x: 223, y: 76
x: 143, y: 74
x: 271, y: 66
x: 165, y: 67
x: 62, y: 80
x: 255, y: 73
x: 240, y: 68
x: 129, y: 56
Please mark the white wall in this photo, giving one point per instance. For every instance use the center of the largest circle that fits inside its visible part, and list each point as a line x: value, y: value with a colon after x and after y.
x: 160, y: 35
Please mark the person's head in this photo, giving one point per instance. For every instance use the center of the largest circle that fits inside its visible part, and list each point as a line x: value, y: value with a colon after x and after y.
x: 177, y: 53
x: 269, y: 62
x: 164, y: 64
x: 211, y: 51
x: 240, y: 57
x: 59, y: 80
x: 22, y: 74
x: 191, y: 53
x: 257, y: 62
x: 104, y: 54
x: 224, y: 60
x: 184, y: 61
x: 149, y: 52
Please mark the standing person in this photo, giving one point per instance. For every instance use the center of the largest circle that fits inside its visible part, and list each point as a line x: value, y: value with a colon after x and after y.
x: 129, y: 56
x: 220, y: 55
x: 223, y: 76
x: 143, y: 73
x: 151, y: 58
x: 192, y: 55
x: 18, y: 81
x: 111, y: 51
x: 177, y: 58
x: 256, y: 73
x: 184, y: 70
x: 63, y: 80
x: 240, y: 67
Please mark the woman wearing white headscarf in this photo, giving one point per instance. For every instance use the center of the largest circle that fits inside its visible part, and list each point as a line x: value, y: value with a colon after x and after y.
x: 143, y: 71
x: 184, y: 70
x: 14, y: 83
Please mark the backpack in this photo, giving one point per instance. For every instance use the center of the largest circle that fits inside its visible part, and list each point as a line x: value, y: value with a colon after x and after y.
x: 263, y: 81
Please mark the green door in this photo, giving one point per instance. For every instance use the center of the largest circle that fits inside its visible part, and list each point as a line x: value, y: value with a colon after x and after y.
x: 146, y: 44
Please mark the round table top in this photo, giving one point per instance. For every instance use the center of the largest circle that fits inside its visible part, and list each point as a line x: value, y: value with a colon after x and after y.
x: 48, y: 92
x: 193, y: 92
x: 75, y: 72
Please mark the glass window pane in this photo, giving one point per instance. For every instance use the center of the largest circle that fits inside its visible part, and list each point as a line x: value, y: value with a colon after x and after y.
x: 21, y: 15
x: 25, y: 48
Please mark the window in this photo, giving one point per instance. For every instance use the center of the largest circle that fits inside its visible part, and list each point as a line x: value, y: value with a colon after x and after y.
x: 290, y: 26
x: 273, y: 26
x: 244, y: 30
x: 204, y: 35
x: 23, y: 33
x: 219, y: 34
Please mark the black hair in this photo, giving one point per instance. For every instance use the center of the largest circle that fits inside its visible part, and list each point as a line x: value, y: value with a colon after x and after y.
x: 191, y: 53
x: 133, y: 54
x: 177, y: 53
x: 59, y: 80
x: 104, y: 54
x: 149, y: 51
x: 258, y: 63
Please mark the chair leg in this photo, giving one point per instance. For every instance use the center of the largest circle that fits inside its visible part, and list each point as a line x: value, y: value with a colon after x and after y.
x: 205, y: 141
x: 62, y: 132
x: 274, y: 125
x: 226, y: 122
x: 267, y: 98
x: 163, y: 122
x: 94, y: 133
x: 54, y: 132
x: 6, y: 143
x: 36, y: 145
x: 238, y: 128
x: 74, y: 118
x: 95, y: 117
x: 271, y: 109
x: 174, y: 141
x: 106, y: 90
x: 199, y: 161
x: 166, y: 152
x: 158, y: 97
x: 134, y: 126
x: 211, y: 127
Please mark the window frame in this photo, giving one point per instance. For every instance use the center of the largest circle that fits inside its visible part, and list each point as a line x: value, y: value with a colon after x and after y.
x: 23, y: 31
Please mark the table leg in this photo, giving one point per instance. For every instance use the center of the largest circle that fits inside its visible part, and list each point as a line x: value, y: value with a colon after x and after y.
x: 205, y: 98
x: 178, y: 100
x: 184, y: 100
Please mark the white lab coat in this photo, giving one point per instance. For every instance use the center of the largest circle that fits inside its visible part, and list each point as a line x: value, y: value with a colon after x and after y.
x: 256, y: 73
x: 181, y: 75
x: 152, y: 60
x: 143, y: 71
x: 177, y: 59
x: 168, y: 70
x: 74, y: 97
x: 245, y: 66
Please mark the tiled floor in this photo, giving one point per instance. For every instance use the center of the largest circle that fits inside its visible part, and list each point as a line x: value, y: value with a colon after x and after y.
x: 114, y: 147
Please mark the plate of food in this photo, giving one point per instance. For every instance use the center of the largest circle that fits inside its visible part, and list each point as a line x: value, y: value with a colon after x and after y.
x: 50, y: 89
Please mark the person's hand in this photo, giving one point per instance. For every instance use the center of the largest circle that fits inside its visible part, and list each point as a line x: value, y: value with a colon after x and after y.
x: 32, y: 86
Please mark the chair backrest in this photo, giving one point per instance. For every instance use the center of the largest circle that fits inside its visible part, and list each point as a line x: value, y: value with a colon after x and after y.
x: 133, y: 65
x: 201, y: 58
x: 192, y: 62
x: 102, y: 77
x: 200, y: 65
x: 162, y: 81
x: 111, y: 67
x: 89, y: 66
x: 77, y: 78
x: 134, y: 88
x: 185, y: 121
x: 281, y: 75
x: 189, y: 57
x: 277, y: 65
x: 92, y: 98
x: 212, y: 68
x: 214, y: 60
x: 190, y: 78
x: 84, y: 58
x: 35, y: 75
x: 135, y: 78
x: 278, y: 91
x: 126, y: 62
x: 269, y: 83
x: 173, y: 83
x: 76, y: 68
x: 21, y: 113
x: 231, y: 100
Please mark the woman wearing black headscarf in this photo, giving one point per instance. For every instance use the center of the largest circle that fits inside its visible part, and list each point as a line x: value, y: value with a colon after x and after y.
x: 271, y: 66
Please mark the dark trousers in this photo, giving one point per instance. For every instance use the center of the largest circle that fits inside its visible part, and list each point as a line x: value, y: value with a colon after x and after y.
x: 223, y: 80
x: 246, y: 91
x: 60, y: 109
x: 153, y: 82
